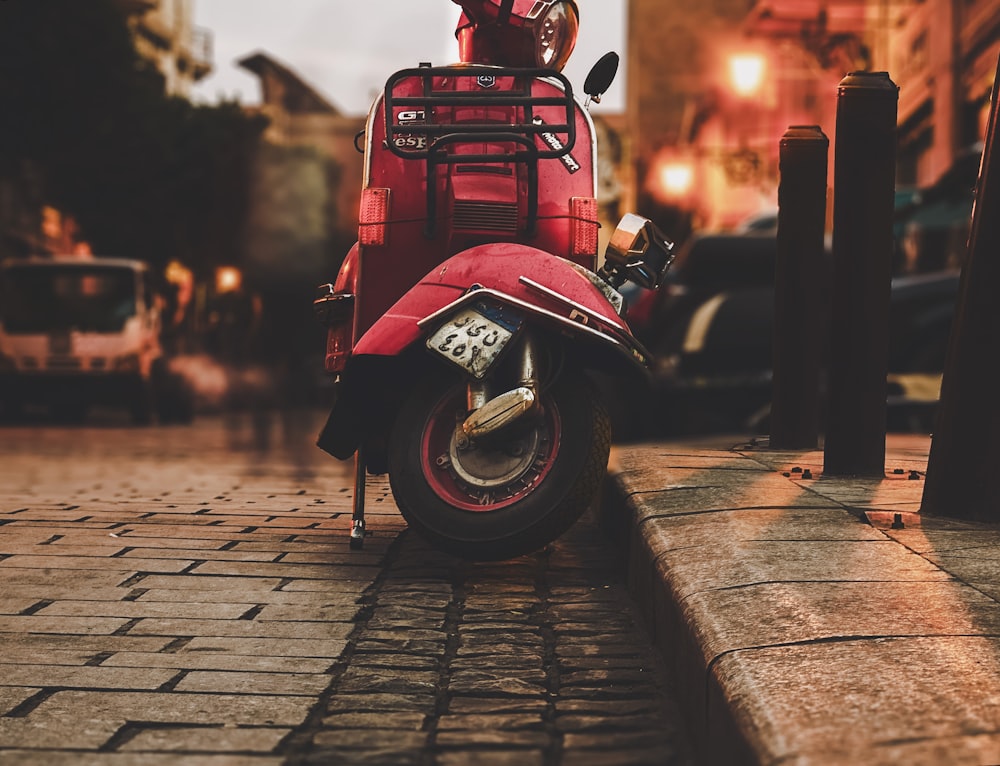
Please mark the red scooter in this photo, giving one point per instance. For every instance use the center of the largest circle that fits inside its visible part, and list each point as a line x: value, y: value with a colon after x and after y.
x: 462, y: 323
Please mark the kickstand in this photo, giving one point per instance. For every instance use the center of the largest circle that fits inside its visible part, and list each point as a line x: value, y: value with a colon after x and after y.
x: 358, y: 518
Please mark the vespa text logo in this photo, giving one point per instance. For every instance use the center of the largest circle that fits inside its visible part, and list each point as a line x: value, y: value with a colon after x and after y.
x: 553, y: 142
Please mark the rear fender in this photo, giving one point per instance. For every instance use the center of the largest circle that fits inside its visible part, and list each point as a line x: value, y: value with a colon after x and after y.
x: 552, y: 294
x: 548, y: 290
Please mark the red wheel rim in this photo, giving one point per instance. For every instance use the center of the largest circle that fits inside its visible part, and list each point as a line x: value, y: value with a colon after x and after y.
x: 453, y: 481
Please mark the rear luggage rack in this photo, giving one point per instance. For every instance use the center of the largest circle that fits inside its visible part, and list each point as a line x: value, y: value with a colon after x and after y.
x: 557, y: 138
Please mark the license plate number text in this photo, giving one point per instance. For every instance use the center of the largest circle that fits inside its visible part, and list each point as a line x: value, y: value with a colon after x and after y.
x: 470, y: 340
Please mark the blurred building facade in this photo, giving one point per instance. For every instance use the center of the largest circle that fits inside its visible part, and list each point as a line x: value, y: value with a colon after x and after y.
x: 164, y: 33
x: 714, y: 85
x: 943, y: 55
x: 307, y: 180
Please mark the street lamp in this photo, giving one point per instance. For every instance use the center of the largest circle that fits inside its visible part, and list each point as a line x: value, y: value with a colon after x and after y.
x: 228, y: 279
x: 676, y: 178
x: 746, y: 73
x: 672, y: 179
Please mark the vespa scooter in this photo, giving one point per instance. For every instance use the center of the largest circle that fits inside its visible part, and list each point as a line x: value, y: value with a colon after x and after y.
x: 463, y: 322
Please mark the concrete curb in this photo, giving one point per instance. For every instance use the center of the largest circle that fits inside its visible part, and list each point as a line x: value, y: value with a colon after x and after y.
x: 812, y: 619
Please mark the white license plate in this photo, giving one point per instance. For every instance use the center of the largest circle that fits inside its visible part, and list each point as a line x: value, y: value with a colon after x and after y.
x: 470, y: 340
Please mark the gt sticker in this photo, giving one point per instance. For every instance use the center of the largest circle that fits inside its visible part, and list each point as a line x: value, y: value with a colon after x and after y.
x: 410, y: 140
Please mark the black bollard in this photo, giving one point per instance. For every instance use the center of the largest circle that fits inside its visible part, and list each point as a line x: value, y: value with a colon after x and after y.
x: 799, y: 270
x: 962, y: 476
x: 863, y: 201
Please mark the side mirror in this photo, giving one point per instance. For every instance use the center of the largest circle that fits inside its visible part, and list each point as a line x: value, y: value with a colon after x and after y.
x: 601, y: 76
x: 638, y: 252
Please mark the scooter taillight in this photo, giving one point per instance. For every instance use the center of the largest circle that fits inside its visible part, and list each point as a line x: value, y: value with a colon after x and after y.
x: 583, y: 231
x: 374, y: 216
x: 338, y: 347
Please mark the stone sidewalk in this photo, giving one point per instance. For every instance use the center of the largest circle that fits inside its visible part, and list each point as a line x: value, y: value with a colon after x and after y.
x: 812, y: 619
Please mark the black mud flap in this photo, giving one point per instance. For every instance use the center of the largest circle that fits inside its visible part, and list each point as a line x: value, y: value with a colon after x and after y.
x: 341, y: 434
x: 366, y: 399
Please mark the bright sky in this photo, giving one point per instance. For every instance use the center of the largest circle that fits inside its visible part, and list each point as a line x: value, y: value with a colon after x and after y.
x: 347, y: 49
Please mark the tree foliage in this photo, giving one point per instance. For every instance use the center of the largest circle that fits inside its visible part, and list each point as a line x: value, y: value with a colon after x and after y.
x: 145, y: 175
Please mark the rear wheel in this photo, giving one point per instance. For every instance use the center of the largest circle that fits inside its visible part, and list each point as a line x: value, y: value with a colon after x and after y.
x: 11, y: 408
x: 69, y: 408
x: 511, y: 495
x: 142, y: 403
x: 173, y: 397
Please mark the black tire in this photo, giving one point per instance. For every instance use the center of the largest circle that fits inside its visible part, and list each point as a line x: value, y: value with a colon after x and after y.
x: 70, y: 409
x: 551, y: 483
x: 11, y: 408
x: 174, y: 398
x: 142, y: 403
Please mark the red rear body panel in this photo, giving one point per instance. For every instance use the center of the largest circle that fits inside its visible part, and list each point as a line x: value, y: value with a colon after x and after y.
x: 475, y: 203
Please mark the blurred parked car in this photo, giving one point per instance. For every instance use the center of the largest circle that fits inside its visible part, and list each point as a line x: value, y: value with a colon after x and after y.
x: 706, y: 265
x: 763, y: 221
x: 710, y: 329
x: 920, y: 312
x: 932, y: 228
x: 712, y: 273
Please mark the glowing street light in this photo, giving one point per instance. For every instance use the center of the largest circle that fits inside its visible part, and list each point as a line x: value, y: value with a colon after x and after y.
x: 676, y: 178
x: 671, y: 177
x: 228, y: 279
x: 746, y: 73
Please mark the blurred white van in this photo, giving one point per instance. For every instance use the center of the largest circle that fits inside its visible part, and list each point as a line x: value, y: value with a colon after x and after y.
x: 81, y: 331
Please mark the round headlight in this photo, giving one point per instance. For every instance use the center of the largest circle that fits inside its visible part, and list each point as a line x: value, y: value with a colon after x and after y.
x: 555, y: 36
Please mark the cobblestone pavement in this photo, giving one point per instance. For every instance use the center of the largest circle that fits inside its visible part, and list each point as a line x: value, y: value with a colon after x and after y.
x: 187, y: 596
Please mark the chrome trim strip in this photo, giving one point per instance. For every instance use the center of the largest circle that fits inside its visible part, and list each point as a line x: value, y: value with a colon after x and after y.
x: 578, y: 307
x: 369, y: 125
